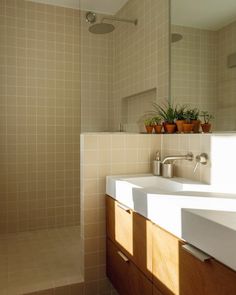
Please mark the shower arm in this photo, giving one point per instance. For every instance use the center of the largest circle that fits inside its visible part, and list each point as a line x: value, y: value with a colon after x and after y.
x: 135, y: 22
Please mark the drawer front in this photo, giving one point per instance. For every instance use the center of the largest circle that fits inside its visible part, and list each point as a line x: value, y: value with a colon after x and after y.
x: 132, y: 233
x: 205, y: 278
x: 166, y: 261
x: 124, y: 275
x: 119, y: 223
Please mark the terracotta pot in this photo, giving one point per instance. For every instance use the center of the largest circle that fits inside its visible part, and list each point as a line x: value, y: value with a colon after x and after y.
x: 164, y: 126
x: 149, y: 129
x: 179, y: 124
x: 157, y: 128
x: 206, y: 128
x: 196, y: 125
x: 187, y: 127
x: 170, y: 128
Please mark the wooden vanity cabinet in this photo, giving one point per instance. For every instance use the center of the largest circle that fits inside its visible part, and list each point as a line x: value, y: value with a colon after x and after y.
x: 165, y: 261
x: 204, y: 278
x: 132, y: 233
x: 144, y: 259
x: 124, y: 275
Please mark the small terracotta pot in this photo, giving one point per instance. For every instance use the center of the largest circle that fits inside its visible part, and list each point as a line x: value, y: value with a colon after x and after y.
x: 149, y: 129
x: 179, y: 124
x: 196, y: 125
x: 170, y: 128
x: 187, y: 127
x: 157, y: 128
x: 206, y: 127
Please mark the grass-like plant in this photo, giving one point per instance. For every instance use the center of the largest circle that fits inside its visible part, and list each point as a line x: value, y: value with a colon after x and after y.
x: 207, y: 117
x: 166, y: 112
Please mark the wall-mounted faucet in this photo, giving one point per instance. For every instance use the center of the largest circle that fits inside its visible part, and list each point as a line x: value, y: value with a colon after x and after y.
x: 168, y: 163
x: 200, y: 159
x: 171, y: 159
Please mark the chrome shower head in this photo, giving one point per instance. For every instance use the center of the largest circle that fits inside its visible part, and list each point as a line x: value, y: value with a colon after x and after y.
x: 101, y: 28
x: 104, y: 28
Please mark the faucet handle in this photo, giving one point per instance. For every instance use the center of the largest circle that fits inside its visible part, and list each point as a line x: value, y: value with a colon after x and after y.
x: 200, y: 159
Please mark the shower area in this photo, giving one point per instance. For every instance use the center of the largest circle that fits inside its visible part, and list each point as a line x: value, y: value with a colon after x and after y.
x: 40, y: 245
x: 63, y: 72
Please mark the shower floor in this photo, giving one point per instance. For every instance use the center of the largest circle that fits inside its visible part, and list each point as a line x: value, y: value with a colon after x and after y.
x: 40, y: 260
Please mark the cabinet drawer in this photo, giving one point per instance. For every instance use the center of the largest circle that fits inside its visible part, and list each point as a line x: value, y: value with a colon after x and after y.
x: 119, y: 225
x: 124, y: 275
x: 205, y: 278
x: 166, y: 261
x: 132, y: 233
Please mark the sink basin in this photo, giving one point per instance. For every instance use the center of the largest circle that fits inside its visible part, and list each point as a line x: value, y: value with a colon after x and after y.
x: 124, y: 188
x: 213, y: 231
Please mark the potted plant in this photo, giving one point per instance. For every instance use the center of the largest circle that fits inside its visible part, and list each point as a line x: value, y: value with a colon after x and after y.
x: 188, y: 125
x: 207, y: 117
x: 149, y: 125
x: 167, y: 114
x: 195, y: 120
x: 157, y: 124
x: 180, y: 118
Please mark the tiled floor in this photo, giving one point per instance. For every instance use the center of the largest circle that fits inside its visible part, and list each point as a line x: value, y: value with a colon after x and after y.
x: 39, y: 260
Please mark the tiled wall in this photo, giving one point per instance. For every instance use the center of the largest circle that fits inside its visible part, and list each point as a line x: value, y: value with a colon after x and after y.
x: 194, y: 68
x: 39, y: 113
x: 226, y: 109
x: 106, y: 154
x: 141, y: 54
x: 96, y: 79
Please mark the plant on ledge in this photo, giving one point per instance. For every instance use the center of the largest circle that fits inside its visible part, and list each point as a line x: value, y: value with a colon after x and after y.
x: 195, y: 120
x: 168, y: 114
x: 149, y: 124
x: 180, y: 118
x: 157, y: 126
x: 188, y: 125
x: 207, y: 117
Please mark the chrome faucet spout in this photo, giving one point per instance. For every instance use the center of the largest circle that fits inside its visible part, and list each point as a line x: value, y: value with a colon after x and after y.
x: 171, y: 159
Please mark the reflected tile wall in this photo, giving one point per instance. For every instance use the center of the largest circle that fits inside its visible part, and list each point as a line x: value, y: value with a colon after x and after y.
x: 194, y: 68
x: 225, y: 119
x: 140, y: 54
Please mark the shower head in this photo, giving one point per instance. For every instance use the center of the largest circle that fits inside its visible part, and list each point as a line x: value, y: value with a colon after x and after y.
x: 175, y: 37
x: 101, y: 28
x: 91, y: 17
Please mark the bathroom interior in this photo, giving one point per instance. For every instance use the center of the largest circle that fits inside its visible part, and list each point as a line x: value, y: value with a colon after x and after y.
x: 76, y: 79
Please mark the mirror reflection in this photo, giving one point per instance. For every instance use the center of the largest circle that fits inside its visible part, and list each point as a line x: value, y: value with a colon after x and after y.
x: 203, y: 58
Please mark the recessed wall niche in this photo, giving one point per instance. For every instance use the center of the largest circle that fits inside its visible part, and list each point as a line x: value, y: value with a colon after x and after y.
x: 134, y: 108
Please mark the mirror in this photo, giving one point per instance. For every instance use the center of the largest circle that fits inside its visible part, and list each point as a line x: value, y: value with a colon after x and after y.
x: 203, y: 58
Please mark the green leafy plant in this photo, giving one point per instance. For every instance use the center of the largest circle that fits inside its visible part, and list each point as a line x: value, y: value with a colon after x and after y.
x: 188, y: 116
x: 180, y: 112
x: 157, y: 120
x: 149, y: 122
x: 166, y: 112
x: 195, y: 114
x: 207, y: 117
